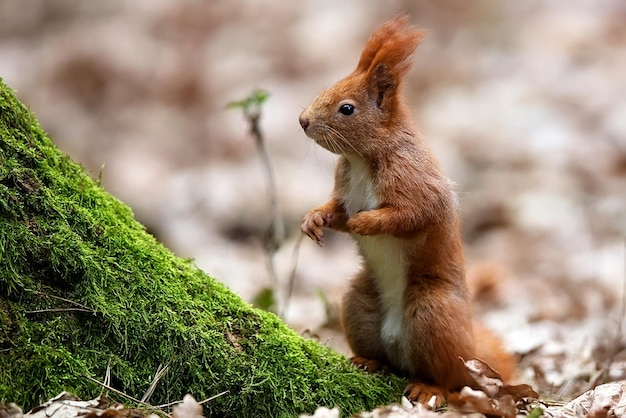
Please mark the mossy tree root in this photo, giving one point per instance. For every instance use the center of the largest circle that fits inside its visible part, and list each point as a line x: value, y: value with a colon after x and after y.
x: 84, y: 286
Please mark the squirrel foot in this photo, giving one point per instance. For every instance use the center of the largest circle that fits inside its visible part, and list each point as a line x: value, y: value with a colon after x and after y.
x: 369, y: 365
x: 432, y: 397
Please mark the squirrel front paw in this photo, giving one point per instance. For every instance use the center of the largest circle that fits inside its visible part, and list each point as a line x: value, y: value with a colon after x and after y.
x: 363, y: 223
x: 312, y: 225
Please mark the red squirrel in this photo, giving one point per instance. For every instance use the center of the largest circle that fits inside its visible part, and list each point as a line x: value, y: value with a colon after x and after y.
x: 409, y: 309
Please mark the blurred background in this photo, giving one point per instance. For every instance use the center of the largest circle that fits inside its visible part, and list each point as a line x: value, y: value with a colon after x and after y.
x: 524, y: 103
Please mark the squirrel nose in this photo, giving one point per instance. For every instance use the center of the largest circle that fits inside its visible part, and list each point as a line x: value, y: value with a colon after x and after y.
x: 304, y: 122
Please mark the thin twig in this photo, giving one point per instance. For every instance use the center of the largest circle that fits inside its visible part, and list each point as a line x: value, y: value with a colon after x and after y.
x: 161, y: 370
x: 59, y: 310
x: 86, y: 308
x: 213, y: 397
x: 167, y: 405
x: 119, y: 392
x: 107, y: 373
x: 292, y: 276
x: 107, y: 376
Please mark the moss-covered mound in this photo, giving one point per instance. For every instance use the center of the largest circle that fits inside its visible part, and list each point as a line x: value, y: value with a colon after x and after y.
x: 83, y: 286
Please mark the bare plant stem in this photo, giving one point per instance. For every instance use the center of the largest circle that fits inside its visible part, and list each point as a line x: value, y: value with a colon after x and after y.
x: 276, y: 233
x: 291, y: 280
x: 272, y: 241
x: 276, y: 230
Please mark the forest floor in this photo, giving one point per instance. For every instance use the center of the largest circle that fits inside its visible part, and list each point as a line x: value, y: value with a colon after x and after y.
x: 523, y: 104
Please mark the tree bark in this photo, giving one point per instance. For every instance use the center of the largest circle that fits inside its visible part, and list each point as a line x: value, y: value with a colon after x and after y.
x: 84, y: 287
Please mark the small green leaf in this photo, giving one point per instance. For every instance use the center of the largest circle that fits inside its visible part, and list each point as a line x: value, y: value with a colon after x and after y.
x: 259, y: 96
x: 256, y: 98
x: 241, y: 104
x: 265, y: 300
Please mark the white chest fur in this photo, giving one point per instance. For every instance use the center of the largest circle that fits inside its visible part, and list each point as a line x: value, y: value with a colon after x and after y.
x: 383, y: 255
x: 361, y: 195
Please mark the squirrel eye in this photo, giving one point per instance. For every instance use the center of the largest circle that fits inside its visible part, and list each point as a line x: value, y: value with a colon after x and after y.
x: 346, y: 109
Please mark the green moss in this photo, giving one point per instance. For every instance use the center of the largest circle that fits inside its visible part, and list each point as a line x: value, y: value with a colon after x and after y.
x: 83, y: 286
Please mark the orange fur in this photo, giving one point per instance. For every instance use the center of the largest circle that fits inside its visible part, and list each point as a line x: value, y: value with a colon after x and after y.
x: 409, y: 308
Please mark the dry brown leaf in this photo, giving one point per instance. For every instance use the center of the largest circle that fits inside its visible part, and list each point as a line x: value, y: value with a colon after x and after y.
x: 491, y: 383
x: 470, y: 400
x: 66, y: 405
x: 518, y: 392
x: 507, y: 406
x: 486, y: 377
x: 599, y: 411
x: 406, y: 410
x: 494, y: 398
x: 10, y: 410
x: 608, y: 400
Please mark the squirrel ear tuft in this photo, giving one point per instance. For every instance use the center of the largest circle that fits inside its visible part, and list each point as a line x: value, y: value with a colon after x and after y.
x: 386, y: 56
x: 382, y: 82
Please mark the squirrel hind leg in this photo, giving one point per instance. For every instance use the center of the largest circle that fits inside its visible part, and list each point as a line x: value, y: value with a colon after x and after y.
x: 370, y: 365
x: 430, y: 396
x: 361, y: 320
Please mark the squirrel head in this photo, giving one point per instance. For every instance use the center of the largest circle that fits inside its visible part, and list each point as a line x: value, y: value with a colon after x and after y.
x: 359, y: 113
